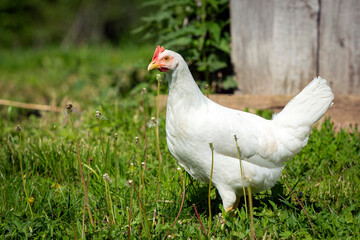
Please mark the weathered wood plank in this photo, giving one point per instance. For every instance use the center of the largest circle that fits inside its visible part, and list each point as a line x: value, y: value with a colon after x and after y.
x: 274, y: 44
x: 339, y: 56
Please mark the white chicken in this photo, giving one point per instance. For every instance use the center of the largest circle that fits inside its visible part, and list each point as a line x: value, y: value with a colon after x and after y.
x: 193, y: 121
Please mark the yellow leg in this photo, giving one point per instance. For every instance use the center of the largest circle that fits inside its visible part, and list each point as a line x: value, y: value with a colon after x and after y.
x: 234, y: 206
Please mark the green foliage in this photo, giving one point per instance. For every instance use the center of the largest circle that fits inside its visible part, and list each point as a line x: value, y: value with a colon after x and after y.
x: 198, y: 30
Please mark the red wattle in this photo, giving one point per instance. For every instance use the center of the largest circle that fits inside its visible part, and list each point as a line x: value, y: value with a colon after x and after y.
x: 163, y: 69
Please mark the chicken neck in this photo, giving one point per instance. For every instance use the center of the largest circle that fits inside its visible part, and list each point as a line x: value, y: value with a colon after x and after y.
x: 183, y: 89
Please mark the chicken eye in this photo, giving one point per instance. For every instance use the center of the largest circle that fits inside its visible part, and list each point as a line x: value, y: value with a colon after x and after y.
x: 166, y: 58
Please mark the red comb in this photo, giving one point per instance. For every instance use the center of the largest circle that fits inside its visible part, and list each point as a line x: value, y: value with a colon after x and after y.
x: 158, y: 50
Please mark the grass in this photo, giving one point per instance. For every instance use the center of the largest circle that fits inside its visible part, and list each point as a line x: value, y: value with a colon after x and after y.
x: 57, y: 76
x: 324, y: 175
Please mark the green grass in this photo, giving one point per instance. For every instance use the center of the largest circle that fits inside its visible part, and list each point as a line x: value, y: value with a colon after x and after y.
x: 56, y: 75
x: 324, y: 175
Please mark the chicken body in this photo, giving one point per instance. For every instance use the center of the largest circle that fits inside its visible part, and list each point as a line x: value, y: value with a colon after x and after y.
x: 193, y: 121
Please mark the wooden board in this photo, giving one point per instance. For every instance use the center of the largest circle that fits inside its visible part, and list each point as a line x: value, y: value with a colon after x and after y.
x: 278, y: 46
x: 274, y: 44
x: 339, y: 57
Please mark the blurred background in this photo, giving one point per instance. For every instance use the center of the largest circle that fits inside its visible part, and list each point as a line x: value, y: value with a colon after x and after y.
x: 38, y: 23
x: 53, y: 51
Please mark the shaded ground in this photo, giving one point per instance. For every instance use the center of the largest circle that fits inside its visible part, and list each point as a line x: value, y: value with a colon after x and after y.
x: 344, y: 112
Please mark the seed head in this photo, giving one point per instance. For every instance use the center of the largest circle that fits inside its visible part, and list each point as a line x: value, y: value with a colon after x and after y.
x: 130, y: 181
x: 158, y: 77
x: 18, y: 128
x: 69, y: 107
x: 107, y: 178
x: 235, y: 137
x: 116, y: 135
x: 152, y: 123
x: 143, y: 91
x: 137, y: 140
x: 211, y: 146
x: 97, y: 114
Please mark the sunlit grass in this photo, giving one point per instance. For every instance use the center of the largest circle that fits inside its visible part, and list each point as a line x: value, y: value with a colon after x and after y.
x: 330, y: 197
x: 324, y: 176
x: 75, y: 74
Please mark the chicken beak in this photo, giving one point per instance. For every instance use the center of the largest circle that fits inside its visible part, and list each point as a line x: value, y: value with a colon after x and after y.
x: 153, y: 65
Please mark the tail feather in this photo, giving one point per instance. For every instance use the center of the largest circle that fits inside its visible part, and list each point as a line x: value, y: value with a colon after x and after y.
x: 308, y: 106
x: 293, y: 123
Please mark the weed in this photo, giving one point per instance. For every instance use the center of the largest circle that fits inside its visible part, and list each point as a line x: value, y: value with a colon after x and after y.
x: 69, y: 111
x: 98, y: 116
x: 22, y: 176
x: 158, y: 78
x: 130, y: 208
